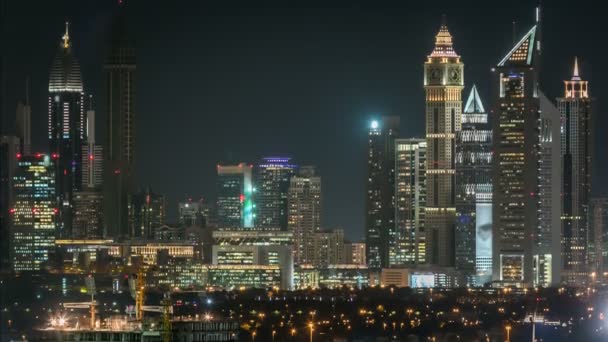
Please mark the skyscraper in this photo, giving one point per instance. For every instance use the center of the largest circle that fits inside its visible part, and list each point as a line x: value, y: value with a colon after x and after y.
x: 24, y: 123
x: 146, y: 213
x: 474, y: 192
x: 410, y: 201
x: 598, y: 235
x: 33, y: 213
x: 66, y: 130
x: 88, y: 203
x: 234, y: 196
x: 576, y: 146
x: 443, y: 83
x: 524, y: 160
x: 9, y: 151
x: 272, y: 177
x: 380, y: 235
x: 304, y: 215
x: 119, y: 74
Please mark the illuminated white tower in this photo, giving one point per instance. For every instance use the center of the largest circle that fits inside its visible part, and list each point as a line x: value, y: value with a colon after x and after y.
x: 443, y: 83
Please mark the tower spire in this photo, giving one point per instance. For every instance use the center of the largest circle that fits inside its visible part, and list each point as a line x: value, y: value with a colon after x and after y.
x: 575, y: 75
x: 66, y: 36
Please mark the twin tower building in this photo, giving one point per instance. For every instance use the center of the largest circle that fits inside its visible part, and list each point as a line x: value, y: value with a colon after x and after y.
x: 499, y: 196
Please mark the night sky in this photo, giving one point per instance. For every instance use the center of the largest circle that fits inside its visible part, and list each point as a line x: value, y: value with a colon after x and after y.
x: 238, y: 80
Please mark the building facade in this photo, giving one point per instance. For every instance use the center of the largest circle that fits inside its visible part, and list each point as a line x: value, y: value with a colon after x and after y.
x: 380, y: 233
x: 272, y: 180
x: 66, y: 130
x: 328, y: 247
x: 9, y: 151
x: 598, y: 236
x: 235, y: 207
x: 146, y: 213
x: 410, y: 201
x: 576, y: 157
x: 119, y: 160
x: 474, y: 193
x: 304, y: 215
x: 443, y: 83
x: 88, y: 215
x: 33, y: 213
x: 519, y: 146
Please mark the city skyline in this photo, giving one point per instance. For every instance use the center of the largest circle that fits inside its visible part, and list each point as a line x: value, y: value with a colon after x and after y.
x: 376, y: 90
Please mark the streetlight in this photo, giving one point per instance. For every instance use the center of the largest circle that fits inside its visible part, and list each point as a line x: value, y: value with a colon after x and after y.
x: 508, y: 328
x: 311, y: 326
x: 274, y: 332
x: 253, y: 335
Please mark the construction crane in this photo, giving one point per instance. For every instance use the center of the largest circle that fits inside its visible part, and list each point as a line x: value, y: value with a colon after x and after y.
x: 90, y: 284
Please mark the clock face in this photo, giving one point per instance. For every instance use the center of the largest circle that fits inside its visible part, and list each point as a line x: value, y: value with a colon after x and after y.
x: 454, y: 75
x: 434, y: 75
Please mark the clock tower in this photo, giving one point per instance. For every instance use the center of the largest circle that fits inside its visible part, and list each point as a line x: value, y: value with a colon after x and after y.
x: 443, y: 83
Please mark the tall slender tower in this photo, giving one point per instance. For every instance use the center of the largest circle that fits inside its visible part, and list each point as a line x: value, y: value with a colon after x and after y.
x: 304, y: 215
x: 66, y: 129
x: 410, y: 201
x: 474, y: 192
x: 24, y: 122
x: 576, y: 152
x: 443, y: 83
x: 380, y: 234
x: 516, y: 161
x: 119, y: 71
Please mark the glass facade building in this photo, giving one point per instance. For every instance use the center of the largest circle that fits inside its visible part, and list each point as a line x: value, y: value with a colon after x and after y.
x: 33, y: 214
x: 272, y: 180
x: 304, y: 218
x: 235, y: 207
x: 410, y: 201
x: 66, y: 130
x: 474, y: 193
x: 380, y: 232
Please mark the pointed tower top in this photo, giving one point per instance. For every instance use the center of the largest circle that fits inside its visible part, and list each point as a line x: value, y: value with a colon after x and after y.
x: 575, y: 75
x: 443, y: 42
x: 523, y: 51
x: 66, y: 36
x: 474, y: 104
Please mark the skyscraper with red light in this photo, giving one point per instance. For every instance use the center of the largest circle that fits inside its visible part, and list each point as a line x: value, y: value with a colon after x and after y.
x: 66, y: 130
x: 33, y: 213
x: 119, y: 77
x: 235, y: 208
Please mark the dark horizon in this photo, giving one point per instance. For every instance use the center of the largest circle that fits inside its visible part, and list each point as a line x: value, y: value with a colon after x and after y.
x: 217, y: 83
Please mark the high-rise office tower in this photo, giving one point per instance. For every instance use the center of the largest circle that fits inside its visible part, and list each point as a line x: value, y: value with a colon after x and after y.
x: 88, y: 214
x: 92, y: 156
x: 598, y: 237
x: 33, y: 213
x: 88, y: 202
x: 576, y: 153
x: 192, y: 213
x: 443, y: 83
x: 24, y: 123
x: 380, y: 233
x: 547, y: 246
x: 525, y: 200
x: 304, y: 215
x: 9, y: 151
x: 410, y: 201
x: 146, y: 213
x: 272, y: 176
x: 234, y: 196
x: 119, y: 75
x: 474, y: 192
x: 66, y: 130
x: 328, y: 247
